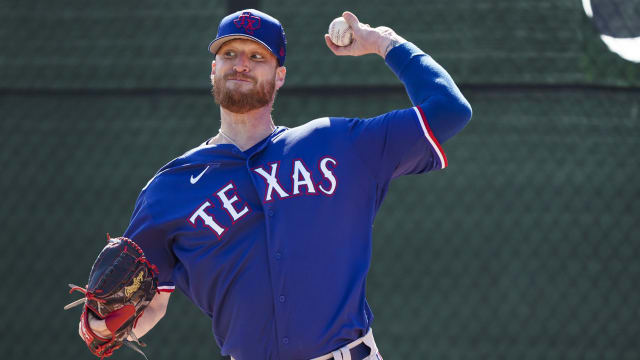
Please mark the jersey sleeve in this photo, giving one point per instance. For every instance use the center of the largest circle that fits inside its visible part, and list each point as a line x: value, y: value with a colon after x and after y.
x: 431, y: 89
x: 397, y: 143
x: 150, y: 235
x: 408, y: 141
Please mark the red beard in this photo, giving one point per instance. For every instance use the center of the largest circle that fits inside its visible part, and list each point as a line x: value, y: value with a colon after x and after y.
x: 242, y: 101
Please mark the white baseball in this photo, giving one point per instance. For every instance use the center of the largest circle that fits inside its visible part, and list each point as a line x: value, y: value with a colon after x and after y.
x: 340, y: 32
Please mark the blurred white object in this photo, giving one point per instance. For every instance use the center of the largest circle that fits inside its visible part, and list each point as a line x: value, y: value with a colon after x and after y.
x: 619, y: 29
x: 628, y: 49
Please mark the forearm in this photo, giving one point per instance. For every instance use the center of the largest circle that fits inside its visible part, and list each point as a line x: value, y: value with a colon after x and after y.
x: 430, y: 86
x: 152, y: 314
x: 149, y: 318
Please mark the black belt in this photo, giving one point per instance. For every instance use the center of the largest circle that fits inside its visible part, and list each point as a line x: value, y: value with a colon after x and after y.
x: 360, y: 352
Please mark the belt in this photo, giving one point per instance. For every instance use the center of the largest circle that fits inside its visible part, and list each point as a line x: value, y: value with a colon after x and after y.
x: 362, y: 349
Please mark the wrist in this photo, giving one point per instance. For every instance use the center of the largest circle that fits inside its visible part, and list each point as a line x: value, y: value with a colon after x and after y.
x: 98, y: 326
x: 389, y: 41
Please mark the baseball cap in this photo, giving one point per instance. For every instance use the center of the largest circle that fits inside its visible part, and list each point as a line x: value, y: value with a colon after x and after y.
x: 253, y: 25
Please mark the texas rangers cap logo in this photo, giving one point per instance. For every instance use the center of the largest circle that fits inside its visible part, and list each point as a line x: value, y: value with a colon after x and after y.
x: 248, y: 22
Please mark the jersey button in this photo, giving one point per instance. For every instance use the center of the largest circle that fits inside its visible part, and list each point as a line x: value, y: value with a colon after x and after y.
x: 285, y: 341
x: 282, y: 298
x: 270, y: 212
x: 278, y: 256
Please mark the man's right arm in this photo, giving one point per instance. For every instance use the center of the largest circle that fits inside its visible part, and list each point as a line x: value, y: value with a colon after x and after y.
x: 155, y: 311
x: 428, y: 84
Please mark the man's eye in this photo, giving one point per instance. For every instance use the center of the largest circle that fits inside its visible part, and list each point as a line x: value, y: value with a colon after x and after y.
x: 229, y: 53
x: 258, y: 56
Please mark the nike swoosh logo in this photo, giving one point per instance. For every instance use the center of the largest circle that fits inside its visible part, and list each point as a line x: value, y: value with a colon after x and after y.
x: 195, y: 179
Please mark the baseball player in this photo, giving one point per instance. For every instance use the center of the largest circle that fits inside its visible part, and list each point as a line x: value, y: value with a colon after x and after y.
x: 267, y: 229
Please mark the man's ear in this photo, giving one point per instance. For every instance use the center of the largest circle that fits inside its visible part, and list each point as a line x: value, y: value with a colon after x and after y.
x: 281, y: 73
x: 213, y: 70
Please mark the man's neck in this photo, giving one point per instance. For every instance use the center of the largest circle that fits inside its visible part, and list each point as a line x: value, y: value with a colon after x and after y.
x: 245, y: 130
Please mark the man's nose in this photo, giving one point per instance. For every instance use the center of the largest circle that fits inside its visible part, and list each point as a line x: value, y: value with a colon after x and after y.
x: 242, y: 64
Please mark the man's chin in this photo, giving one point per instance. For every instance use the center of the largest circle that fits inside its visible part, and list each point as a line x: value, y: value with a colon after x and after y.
x: 241, y: 99
x: 239, y: 104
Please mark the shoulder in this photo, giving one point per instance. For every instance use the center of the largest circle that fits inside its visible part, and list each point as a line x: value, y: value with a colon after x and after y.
x: 194, y: 157
x: 327, y: 133
x: 305, y: 128
x: 317, y: 127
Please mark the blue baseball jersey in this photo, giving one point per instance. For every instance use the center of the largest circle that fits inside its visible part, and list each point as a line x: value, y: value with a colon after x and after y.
x: 274, y: 243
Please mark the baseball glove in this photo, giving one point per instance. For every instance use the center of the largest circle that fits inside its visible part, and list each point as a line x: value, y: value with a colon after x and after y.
x: 122, y: 283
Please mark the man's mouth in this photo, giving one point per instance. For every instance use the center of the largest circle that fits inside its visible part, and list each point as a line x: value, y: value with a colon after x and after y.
x: 239, y: 79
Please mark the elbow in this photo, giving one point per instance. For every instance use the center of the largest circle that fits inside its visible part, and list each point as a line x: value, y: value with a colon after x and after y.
x: 464, y: 111
x: 469, y: 110
x: 460, y: 114
x: 447, y: 115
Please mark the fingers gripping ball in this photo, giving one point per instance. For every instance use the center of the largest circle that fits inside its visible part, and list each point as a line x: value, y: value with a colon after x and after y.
x: 340, y: 32
x: 122, y: 283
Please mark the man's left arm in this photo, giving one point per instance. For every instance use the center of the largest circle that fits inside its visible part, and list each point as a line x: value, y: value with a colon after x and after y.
x: 430, y: 87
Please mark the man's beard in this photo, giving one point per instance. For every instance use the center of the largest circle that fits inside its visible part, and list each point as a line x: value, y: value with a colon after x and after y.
x: 240, y: 101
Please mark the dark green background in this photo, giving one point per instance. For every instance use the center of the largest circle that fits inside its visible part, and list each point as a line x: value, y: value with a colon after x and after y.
x: 526, y: 247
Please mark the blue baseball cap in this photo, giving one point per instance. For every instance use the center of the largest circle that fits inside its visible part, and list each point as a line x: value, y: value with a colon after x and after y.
x: 253, y: 25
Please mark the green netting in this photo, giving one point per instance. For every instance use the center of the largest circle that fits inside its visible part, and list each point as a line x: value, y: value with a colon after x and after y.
x: 525, y: 247
x: 150, y: 44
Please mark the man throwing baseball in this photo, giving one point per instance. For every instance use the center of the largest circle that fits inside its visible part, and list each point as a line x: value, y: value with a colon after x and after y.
x: 267, y: 229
